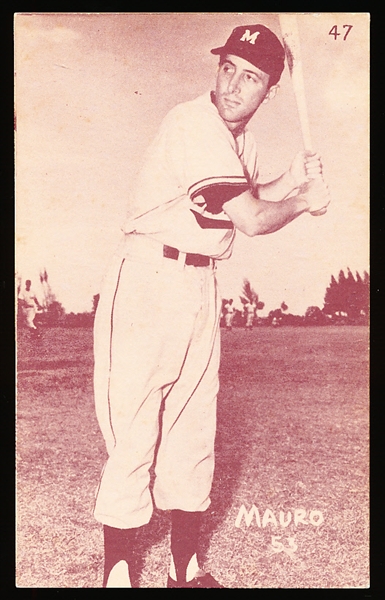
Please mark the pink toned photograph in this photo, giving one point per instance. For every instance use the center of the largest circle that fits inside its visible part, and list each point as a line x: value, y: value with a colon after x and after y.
x: 192, y: 284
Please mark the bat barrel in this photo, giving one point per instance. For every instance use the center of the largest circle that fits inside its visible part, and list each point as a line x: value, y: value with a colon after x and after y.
x: 291, y: 42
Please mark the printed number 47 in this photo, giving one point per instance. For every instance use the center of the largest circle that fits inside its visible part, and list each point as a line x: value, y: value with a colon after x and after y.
x: 334, y: 31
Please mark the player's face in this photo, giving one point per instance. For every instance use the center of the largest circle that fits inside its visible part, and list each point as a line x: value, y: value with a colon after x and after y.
x: 240, y: 90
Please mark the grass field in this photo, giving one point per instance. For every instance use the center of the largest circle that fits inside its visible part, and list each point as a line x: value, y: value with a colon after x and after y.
x: 292, y: 436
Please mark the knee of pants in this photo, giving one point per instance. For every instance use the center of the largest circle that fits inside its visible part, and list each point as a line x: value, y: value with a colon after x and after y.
x: 189, y: 491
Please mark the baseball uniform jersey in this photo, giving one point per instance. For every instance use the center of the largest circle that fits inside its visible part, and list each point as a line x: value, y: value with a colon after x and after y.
x: 157, y: 323
x: 193, y: 166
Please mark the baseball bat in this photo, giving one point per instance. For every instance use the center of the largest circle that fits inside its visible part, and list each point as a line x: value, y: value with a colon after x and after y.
x: 291, y: 43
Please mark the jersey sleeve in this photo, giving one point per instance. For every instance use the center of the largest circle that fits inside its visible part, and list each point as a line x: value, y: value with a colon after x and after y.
x: 203, y: 155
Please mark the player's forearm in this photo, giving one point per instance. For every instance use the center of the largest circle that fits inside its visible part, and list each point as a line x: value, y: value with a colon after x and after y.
x: 272, y: 216
x: 278, y: 189
x: 254, y: 216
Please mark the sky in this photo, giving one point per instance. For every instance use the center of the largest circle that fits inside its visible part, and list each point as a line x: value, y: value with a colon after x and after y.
x: 91, y: 90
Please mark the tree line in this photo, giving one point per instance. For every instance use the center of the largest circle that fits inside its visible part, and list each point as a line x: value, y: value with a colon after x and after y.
x: 346, y: 302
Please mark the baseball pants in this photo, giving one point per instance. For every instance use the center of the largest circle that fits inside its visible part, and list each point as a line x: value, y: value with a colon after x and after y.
x: 30, y: 314
x: 156, y: 349
x: 249, y: 319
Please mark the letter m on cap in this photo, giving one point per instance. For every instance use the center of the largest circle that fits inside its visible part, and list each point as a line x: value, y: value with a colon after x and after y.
x: 249, y: 37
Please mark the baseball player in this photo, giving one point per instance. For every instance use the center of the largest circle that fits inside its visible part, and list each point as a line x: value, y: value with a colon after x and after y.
x: 249, y: 313
x: 229, y: 315
x: 29, y: 305
x: 156, y: 371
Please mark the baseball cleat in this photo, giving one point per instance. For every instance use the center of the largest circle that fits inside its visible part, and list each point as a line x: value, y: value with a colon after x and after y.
x: 203, y: 581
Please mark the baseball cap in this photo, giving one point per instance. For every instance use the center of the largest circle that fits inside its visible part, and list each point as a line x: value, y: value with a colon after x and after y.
x: 259, y: 46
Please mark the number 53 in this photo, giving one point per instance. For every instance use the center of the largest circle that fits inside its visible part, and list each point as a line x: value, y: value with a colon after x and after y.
x: 279, y: 547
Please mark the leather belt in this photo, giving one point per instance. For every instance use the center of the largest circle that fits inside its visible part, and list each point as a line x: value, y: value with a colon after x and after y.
x: 194, y: 260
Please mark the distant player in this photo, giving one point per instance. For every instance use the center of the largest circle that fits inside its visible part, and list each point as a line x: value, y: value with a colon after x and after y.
x: 249, y: 315
x: 229, y: 314
x: 29, y: 305
x: 156, y: 371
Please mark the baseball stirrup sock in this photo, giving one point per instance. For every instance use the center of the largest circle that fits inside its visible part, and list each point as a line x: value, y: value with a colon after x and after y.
x: 118, y: 546
x: 184, y: 539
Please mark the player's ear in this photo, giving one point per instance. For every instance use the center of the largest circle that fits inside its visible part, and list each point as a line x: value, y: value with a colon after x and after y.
x: 271, y: 92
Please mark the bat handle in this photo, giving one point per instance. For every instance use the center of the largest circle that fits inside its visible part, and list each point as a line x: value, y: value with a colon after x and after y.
x: 307, y: 144
x: 306, y: 137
